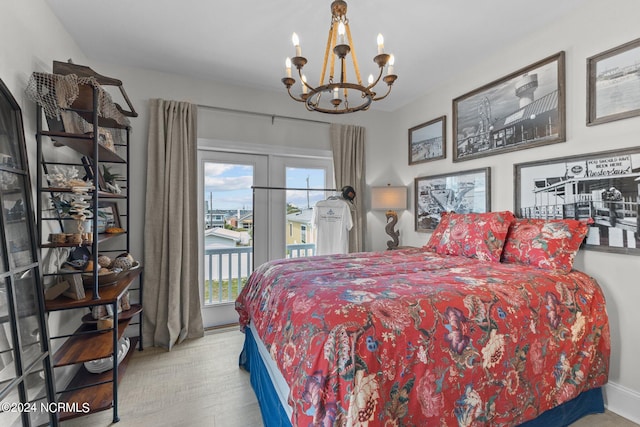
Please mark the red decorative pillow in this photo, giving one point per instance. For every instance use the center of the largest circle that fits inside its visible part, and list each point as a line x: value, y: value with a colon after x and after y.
x: 436, y: 236
x: 550, y: 244
x: 476, y: 235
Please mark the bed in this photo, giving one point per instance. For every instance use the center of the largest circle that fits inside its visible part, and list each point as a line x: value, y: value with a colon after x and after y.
x: 488, y: 324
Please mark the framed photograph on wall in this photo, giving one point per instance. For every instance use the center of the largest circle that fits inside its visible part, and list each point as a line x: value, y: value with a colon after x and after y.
x: 603, y: 187
x: 613, y: 85
x: 525, y: 109
x: 428, y: 141
x: 460, y: 192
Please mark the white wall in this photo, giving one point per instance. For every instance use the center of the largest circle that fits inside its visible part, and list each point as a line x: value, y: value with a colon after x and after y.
x: 596, y: 27
x: 33, y: 38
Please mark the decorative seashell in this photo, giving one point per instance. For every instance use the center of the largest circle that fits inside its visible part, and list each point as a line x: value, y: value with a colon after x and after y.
x: 98, y: 311
x: 126, y: 255
x: 104, y: 261
x: 122, y: 262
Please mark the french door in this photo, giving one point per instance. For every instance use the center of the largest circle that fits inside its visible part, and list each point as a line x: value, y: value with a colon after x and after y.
x: 242, y: 227
x: 233, y: 221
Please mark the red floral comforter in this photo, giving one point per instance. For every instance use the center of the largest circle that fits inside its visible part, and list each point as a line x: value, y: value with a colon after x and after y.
x: 415, y: 338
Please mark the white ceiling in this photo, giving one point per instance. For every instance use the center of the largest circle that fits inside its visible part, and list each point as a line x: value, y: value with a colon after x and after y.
x: 245, y: 42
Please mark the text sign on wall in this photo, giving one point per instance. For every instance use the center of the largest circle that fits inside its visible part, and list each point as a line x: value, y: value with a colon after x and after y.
x: 609, y: 166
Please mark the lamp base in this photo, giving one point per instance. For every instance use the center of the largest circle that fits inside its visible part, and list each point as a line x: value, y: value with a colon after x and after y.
x: 392, y: 220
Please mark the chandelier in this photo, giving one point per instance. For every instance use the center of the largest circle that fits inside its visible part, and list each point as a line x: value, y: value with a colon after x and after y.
x: 338, y: 95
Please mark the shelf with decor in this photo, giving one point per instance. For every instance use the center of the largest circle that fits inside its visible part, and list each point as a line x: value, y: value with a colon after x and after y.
x: 83, y: 207
x: 90, y: 342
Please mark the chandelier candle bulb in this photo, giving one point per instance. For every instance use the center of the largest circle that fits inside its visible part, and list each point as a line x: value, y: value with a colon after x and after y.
x: 336, y: 93
x: 392, y: 60
x: 341, y: 32
x: 370, y: 81
x: 287, y: 64
x: 380, y: 44
x: 304, y: 86
x: 296, y: 43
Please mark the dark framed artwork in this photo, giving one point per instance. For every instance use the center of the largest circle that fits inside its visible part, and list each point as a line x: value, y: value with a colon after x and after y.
x: 603, y: 186
x: 428, y: 141
x: 460, y: 192
x: 92, y: 171
x: 525, y: 109
x: 108, y: 215
x: 613, y: 84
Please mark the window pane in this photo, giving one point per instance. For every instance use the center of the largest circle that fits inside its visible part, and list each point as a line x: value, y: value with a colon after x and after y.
x: 300, y: 240
x: 228, y: 220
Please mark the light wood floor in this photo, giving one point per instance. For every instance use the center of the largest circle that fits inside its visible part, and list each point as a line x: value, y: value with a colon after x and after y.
x: 199, y: 383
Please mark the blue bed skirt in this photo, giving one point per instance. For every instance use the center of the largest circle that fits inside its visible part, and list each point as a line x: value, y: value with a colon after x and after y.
x: 274, y: 415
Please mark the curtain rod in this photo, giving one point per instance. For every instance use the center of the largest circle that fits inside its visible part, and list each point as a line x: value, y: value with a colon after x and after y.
x: 255, y: 113
x: 256, y: 187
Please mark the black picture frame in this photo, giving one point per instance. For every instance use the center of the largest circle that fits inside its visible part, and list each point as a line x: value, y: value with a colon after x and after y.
x: 108, y: 215
x: 602, y: 186
x: 462, y: 192
x: 428, y: 141
x: 91, y: 171
x: 613, y: 78
x: 503, y: 116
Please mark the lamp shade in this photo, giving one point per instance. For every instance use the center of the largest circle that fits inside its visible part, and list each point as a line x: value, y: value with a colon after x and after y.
x: 388, y: 198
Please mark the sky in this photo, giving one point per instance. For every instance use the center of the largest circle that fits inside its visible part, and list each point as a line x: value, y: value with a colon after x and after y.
x: 297, y: 178
x: 229, y: 185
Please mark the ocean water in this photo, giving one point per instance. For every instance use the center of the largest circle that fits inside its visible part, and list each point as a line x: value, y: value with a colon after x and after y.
x: 618, y: 95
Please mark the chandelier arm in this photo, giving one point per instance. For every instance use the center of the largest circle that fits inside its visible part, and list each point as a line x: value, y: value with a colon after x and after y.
x: 307, y: 107
x: 293, y: 97
x: 383, y: 96
x: 375, y: 82
x: 353, y: 54
x: 311, y: 88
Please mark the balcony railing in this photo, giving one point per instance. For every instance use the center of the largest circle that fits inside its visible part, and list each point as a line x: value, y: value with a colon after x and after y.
x: 301, y: 250
x: 226, y: 270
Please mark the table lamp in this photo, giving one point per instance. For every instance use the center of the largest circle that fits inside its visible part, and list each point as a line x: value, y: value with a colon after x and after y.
x: 390, y: 199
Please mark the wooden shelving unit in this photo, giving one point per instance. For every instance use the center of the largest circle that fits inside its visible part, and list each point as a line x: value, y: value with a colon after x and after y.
x: 82, y: 143
x: 95, y: 390
x: 87, y: 343
x: 102, y: 238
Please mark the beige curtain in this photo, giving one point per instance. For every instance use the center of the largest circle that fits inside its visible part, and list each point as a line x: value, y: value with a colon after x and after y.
x: 347, y: 145
x: 171, y: 297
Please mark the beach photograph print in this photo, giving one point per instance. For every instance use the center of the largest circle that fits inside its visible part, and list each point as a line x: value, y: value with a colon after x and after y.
x: 525, y: 109
x: 614, y: 84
